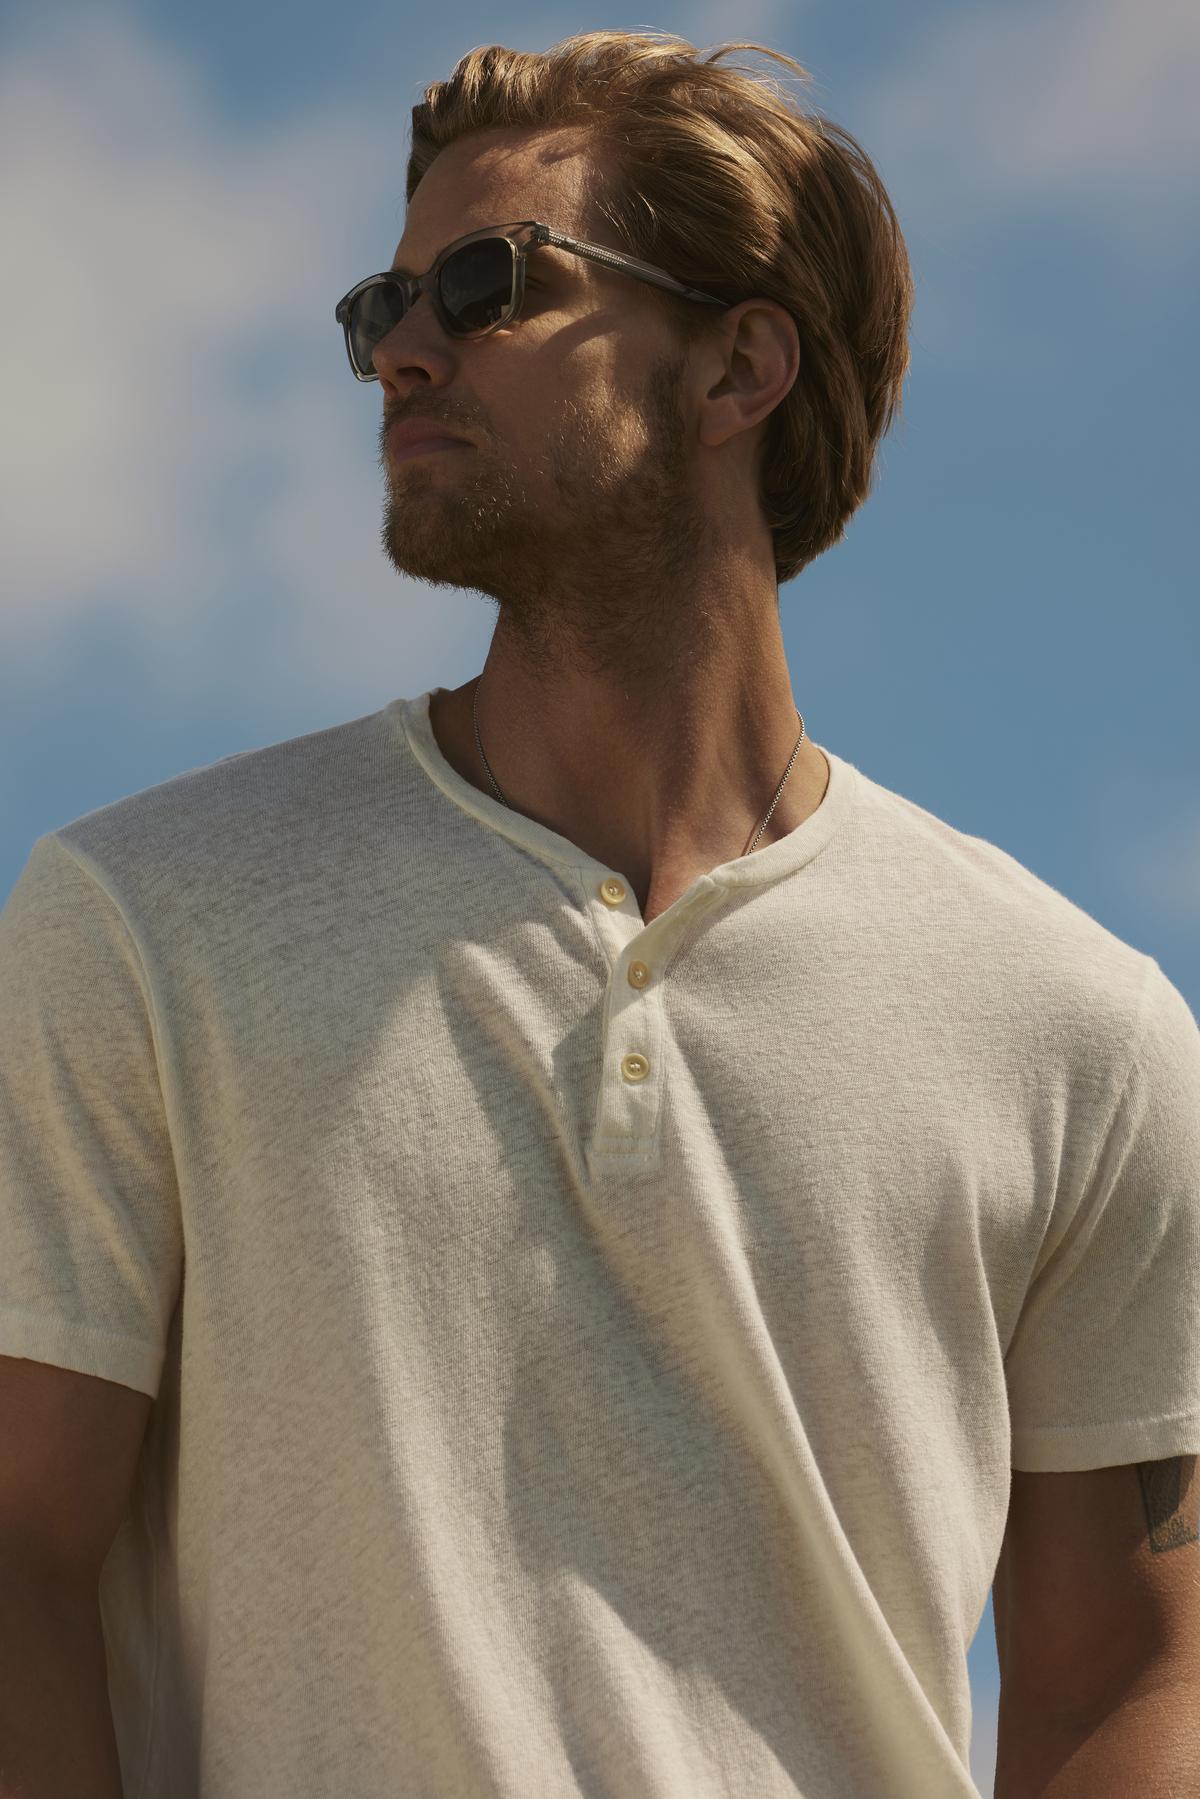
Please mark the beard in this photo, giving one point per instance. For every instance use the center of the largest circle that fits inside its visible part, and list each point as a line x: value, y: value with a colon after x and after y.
x: 595, y: 577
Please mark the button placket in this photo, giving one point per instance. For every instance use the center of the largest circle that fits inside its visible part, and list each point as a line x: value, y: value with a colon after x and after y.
x: 628, y: 1098
x: 632, y: 1075
x: 636, y: 1067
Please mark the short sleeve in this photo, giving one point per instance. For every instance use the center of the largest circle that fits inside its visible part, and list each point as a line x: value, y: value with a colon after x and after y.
x: 90, y: 1232
x: 1104, y: 1365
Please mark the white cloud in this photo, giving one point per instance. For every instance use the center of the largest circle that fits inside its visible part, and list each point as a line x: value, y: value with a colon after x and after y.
x: 181, y: 432
x: 1088, y: 100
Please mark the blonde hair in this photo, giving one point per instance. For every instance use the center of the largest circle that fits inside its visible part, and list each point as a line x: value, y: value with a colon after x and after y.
x: 713, y: 175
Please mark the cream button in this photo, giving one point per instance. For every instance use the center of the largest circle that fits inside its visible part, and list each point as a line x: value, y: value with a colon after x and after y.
x: 639, y: 974
x: 612, y: 891
x: 634, y: 1068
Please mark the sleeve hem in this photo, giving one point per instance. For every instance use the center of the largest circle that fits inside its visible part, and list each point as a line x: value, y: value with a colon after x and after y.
x: 127, y: 1360
x: 1047, y: 1450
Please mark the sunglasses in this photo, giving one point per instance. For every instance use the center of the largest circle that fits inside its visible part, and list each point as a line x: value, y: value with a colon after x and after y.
x: 476, y: 285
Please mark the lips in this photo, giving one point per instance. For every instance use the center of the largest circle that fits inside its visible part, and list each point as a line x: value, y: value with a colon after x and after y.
x: 411, y: 437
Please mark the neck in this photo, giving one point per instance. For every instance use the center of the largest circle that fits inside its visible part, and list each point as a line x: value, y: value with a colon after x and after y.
x: 659, y: 781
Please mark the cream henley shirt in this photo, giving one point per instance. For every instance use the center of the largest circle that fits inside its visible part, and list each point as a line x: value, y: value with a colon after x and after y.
x: 587, y: 1358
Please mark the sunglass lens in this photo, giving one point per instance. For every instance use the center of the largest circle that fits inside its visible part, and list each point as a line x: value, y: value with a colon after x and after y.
x: 476, y: 284
x: 376, y: 311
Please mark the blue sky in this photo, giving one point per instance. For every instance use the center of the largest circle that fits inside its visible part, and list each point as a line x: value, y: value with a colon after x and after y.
x: 191, y: 500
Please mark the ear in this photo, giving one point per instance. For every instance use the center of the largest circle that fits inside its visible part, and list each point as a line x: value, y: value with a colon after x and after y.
x: 751, y: 364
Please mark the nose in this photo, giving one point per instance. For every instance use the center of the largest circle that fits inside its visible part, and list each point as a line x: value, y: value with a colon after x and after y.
x: 416, y: 343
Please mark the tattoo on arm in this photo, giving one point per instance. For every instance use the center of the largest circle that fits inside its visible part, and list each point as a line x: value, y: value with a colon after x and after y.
x: 1170, y: 1521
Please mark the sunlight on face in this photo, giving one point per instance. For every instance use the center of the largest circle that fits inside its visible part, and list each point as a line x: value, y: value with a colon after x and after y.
x: 575, y: 489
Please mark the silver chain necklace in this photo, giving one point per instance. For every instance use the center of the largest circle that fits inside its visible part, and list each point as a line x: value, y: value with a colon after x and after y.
x: 750, y: 847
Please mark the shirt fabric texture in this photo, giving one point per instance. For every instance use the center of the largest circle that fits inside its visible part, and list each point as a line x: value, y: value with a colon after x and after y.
x: 573, y: 1377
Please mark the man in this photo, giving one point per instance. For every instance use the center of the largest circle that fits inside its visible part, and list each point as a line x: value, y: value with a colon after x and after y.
x: 537, y: 1219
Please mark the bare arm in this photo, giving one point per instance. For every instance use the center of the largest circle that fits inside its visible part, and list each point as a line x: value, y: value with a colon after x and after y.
x: 1148, y: 1744
x: 56, y: 1728
x: 69, y: 1445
